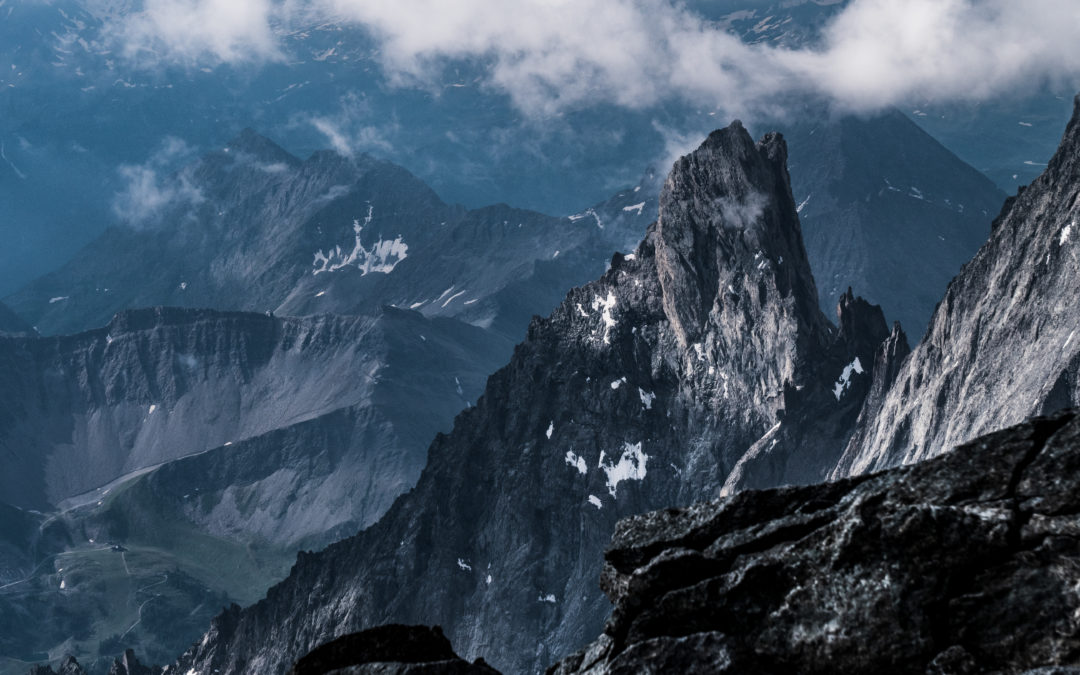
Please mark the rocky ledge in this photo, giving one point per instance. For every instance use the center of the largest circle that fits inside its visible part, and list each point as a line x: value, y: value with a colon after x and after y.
x: 966, y: 563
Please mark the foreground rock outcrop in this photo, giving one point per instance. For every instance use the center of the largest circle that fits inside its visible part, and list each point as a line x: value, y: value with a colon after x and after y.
x: 963, y: 564
x: 402, y: 650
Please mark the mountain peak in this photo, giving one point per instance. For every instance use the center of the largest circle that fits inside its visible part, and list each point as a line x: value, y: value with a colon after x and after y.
x: 726, y: 214
x: 262, y: 148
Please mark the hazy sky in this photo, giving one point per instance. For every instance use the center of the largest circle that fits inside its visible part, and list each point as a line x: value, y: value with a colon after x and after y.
x: 549, y: 55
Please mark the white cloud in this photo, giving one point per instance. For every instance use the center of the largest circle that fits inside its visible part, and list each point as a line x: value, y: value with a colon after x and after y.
x: 199, y: 31
x: 149, y: 189
x: 550, y: 55
x: 349, y: 130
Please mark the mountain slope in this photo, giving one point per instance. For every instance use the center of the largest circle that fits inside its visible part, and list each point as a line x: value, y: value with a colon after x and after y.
x: 1003, y: 343
x: 642, y: 390
x: 886, y: 209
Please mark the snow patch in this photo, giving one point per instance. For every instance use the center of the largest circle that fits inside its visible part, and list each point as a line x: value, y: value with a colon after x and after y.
x: 152, y: 409
x: 320, y: 294
x: 464, y: 565
x: 635, y: 207
x: 606, y: 305
x: 488, y: 580
x: 183, y: 285
x: 550, y: 429
x: 382, y: 257
x: 647, y: 398
x: 453, y: 297
x: 631, y: 466
x: 595, y: 501
x: 585, y: 214
x: 550, y: 597
x: 1065, y: 233
x: 618, y: 383
x: 577, y: 462
x: 844, y: 382
x: 799, y: 208
x: 53, y: 301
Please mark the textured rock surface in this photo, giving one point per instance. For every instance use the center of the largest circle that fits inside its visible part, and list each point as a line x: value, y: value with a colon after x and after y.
x: 967, y: 563
x: 608, y: 408
x: 407, y: 650
x: 1005, y: 341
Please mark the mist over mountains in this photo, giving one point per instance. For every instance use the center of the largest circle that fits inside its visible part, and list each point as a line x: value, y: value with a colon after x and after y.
x: 403, y: 336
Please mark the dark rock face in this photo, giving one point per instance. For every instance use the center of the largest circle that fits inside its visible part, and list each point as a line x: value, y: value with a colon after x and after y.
x: 408, y: 650
x: 1004, y: 343
x: 643, y: 389
x: 966, y: 563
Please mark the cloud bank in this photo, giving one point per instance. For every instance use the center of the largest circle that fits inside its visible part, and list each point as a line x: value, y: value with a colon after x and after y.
x: 553, y: 55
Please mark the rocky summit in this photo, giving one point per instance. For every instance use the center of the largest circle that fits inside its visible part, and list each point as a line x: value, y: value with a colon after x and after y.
x: 968, y: 563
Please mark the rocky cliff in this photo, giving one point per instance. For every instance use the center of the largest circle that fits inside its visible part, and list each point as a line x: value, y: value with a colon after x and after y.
x: 643, y: 389
x: 1003, y: 343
